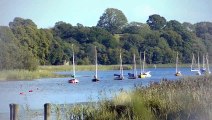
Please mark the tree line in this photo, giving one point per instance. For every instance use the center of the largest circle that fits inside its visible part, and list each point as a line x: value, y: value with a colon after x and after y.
x: 24, y: 46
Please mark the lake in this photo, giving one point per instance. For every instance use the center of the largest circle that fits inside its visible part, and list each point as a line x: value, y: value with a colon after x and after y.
x: 34, y: 94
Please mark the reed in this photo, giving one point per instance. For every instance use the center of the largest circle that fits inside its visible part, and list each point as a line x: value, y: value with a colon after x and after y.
x: 25, y: 74
x: 82, y: 67
x: 188, y: 98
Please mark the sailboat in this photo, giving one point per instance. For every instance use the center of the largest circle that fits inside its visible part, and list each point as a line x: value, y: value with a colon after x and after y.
x: 120, y: 76
x: 207, y: 63
x: 73, y: 80
x: 143, y: 74
x: 178, y: 73
x: 195, y: 67
x: 134, y: 74
x: 95, y: 79
x: 203, y: 69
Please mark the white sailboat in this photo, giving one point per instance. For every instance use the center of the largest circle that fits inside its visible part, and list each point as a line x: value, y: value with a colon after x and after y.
x: 207, y: 63
x: 194, y: 66
x: 120, y: 76
x: 203, y: 69
x: 73, y: 80
x: 143, y: 73
x: 178, y: 73
x: 134, y: 74
x: 95, y: 79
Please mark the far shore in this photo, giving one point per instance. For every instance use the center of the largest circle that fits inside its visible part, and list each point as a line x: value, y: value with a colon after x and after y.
x: 47, y: 71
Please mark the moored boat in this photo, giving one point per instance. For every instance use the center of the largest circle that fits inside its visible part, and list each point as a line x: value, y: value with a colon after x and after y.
x: 134, y: 74
x: 73, y: 80
x: 95, y: 79
x: 177, y: 73
x: 143, y: 73
x: 119, y: 76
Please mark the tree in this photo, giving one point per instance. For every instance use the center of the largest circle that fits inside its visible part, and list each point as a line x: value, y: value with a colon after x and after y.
x: 135, y: 28
x: 156, y: 22
x: 112, y: 20
x: 37, y: 41
x: 12, y: 54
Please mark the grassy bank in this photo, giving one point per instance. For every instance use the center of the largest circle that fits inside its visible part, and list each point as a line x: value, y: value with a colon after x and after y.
x: 48, y: 71
x: 82, y: 67
x: 26, y: 75
x: 186, y: 99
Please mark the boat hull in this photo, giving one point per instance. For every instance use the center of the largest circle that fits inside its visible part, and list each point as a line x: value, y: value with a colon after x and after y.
x: 95, y: 80
x: 73, y: 81
x: 178, y: 74
x: 118, y: 78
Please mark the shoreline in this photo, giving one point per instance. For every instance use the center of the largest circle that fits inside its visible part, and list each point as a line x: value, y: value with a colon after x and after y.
x: 49, y: 71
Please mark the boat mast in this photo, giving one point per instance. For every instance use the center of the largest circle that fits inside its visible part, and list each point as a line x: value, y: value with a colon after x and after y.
x: 198, y: 62
x: 209, y: 72
x: 140, y: 63
x: 135, y: 73
x: 192, y: 61
x: 176, y: 62
x: 73, y: 61
x: 144, y: 61
x: 121, y: 67
x: 96, y: 60
x: 203, y: 62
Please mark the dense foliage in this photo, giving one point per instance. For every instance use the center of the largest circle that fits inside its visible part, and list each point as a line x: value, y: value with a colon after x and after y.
x: 24, y: 46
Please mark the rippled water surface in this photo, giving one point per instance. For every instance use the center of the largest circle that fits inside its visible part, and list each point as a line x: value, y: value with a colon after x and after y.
x: 33, y: 94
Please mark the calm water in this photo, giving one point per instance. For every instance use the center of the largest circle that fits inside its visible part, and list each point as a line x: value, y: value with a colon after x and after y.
x: 59, y: 91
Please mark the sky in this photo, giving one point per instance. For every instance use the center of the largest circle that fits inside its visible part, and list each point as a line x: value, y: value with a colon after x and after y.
x: 45, y: 13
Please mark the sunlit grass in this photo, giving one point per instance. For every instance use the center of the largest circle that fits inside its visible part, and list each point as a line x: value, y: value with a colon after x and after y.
x: 189, y: 98
x: 82, y: 67
x: 26, y: 75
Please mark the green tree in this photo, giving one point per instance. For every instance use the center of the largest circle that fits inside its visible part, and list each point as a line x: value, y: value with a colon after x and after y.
x: 112, y: 20
x: 135, y: 28
x: 37, y: 41
x: 12, y: 54
x: 156, y: 22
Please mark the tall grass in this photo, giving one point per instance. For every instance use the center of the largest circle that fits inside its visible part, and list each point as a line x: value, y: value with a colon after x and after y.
x: 48, y: 71
x: 25, y: 74
x: 186, y: 99
x: 82, y: 67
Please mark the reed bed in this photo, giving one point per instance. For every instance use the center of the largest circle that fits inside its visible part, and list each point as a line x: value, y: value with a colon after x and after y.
x: 83, y: 67
x: 186, y: 99
x: 26, y: 75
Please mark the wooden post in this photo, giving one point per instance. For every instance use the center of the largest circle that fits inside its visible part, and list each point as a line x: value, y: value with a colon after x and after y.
x: 47, y: 111
x: 11, y: 111
x: 14, y: 109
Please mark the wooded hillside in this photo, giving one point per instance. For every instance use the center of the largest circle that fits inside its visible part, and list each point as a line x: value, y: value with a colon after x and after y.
x: 24, y: 46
